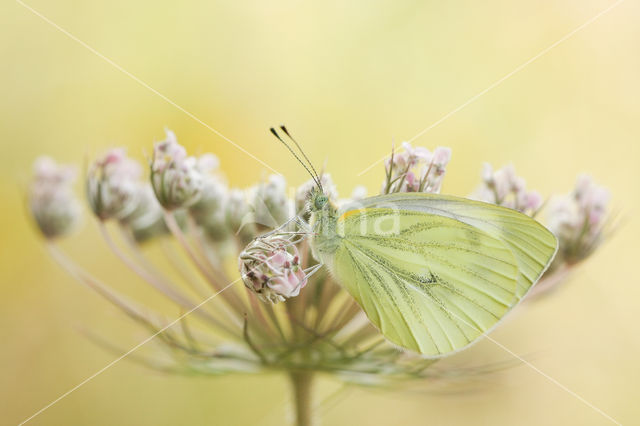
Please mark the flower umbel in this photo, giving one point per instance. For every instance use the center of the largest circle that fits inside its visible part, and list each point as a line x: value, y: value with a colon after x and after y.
x: 309, y: 324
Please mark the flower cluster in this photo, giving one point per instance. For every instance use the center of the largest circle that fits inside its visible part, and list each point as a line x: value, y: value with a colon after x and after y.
x: 175, y: 177
x: 578, y: 220
x: 51, y: 199
x: 416, y: 170
x: 316, y: 327
x: 112, y: 185
x: 270, y: 267
x: 504, y: 188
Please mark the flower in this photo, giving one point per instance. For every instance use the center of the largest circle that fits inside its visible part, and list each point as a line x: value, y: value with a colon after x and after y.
x: 175, y: 177
x: 578, y: 219
x: 321, y: 329
x: 146, y: 220
x: 210, y: 210
x: 359, y: 193
x: 416, y: 170
x: 239, y: 217
x: 270, y: 267
x: 270, y: 204
x: 112, y: 185
x: 51, y: 200
x: 504, y: 188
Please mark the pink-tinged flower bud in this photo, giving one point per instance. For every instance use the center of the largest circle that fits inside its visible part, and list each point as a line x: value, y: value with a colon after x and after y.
x: 271, y: 268
x: 51, y: 200
x: 578, y: 219
x: 416, y: 170
x: 533, y: 201
x: 176, y: 178
x: 112, y: 185
x: 505, y: 188
x: 441, y: 156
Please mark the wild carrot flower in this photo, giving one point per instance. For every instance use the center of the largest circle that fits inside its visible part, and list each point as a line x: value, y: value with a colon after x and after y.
x: 210, y: 210
x: 578, y: 219
x: 504, y: 188
x: 112, y: 185
x: 415, y: 170
x: 51, y: 200
x: 271, y: 267
x: 175, y: 177
x: 316, y: 327
x: 270, y: 203
x: 238, y: 216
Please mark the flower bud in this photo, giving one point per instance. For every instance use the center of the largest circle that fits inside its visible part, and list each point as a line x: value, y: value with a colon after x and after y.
x: 578, y: 219
x: 271, y: 206
x: 416, y: 170
x: 505, y: 188
x: 146, y: 221
x: 359, y: 193
x: 176, y: 178
x: 239, y: 217
x: 271, y: 268
x: 210, y: 210
x: 112, y: 185
x: 51, y: 200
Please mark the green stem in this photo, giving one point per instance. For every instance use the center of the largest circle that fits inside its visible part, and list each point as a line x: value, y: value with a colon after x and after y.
x: 302, y: 383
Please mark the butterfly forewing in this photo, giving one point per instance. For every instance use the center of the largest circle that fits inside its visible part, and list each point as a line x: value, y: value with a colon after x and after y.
x: 430, y: 283
x: 531, y: 243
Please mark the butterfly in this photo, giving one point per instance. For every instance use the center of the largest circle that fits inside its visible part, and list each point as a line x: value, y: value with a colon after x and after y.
x: 432, y: 272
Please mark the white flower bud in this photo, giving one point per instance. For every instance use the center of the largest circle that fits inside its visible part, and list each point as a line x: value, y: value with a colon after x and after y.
x: 271, y: 206
x: 112, y: 185
x: 239, y: 217
x: 146, y: 220
x: 210, y: 210
x: 176, y: 179
x: 51, y: 200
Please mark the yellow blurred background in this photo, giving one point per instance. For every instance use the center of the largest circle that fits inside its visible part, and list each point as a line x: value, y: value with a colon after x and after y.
x: 347, y: 78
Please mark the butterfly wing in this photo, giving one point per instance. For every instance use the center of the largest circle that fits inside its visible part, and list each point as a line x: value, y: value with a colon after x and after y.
x: 533, y: 245
x: 430, y: 281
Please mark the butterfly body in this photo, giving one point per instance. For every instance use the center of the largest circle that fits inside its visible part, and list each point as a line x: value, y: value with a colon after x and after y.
x: 432, y: 272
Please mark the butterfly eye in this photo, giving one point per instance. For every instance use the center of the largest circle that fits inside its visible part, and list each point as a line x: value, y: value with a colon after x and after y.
x: 321, y: 201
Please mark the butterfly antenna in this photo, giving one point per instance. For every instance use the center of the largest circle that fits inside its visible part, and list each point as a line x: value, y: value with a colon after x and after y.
x: 313, y: 176
x: 286, y: 132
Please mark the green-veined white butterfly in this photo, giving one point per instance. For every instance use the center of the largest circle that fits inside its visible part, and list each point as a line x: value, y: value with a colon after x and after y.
x: 432, y: 272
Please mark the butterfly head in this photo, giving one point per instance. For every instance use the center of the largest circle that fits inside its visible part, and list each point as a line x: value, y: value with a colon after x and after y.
x: 318, y: 200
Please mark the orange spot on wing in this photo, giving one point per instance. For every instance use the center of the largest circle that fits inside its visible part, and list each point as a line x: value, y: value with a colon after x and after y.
x: 345, y: 215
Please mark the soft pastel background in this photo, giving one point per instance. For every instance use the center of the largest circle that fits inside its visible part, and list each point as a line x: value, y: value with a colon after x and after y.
x: 347, y: 77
